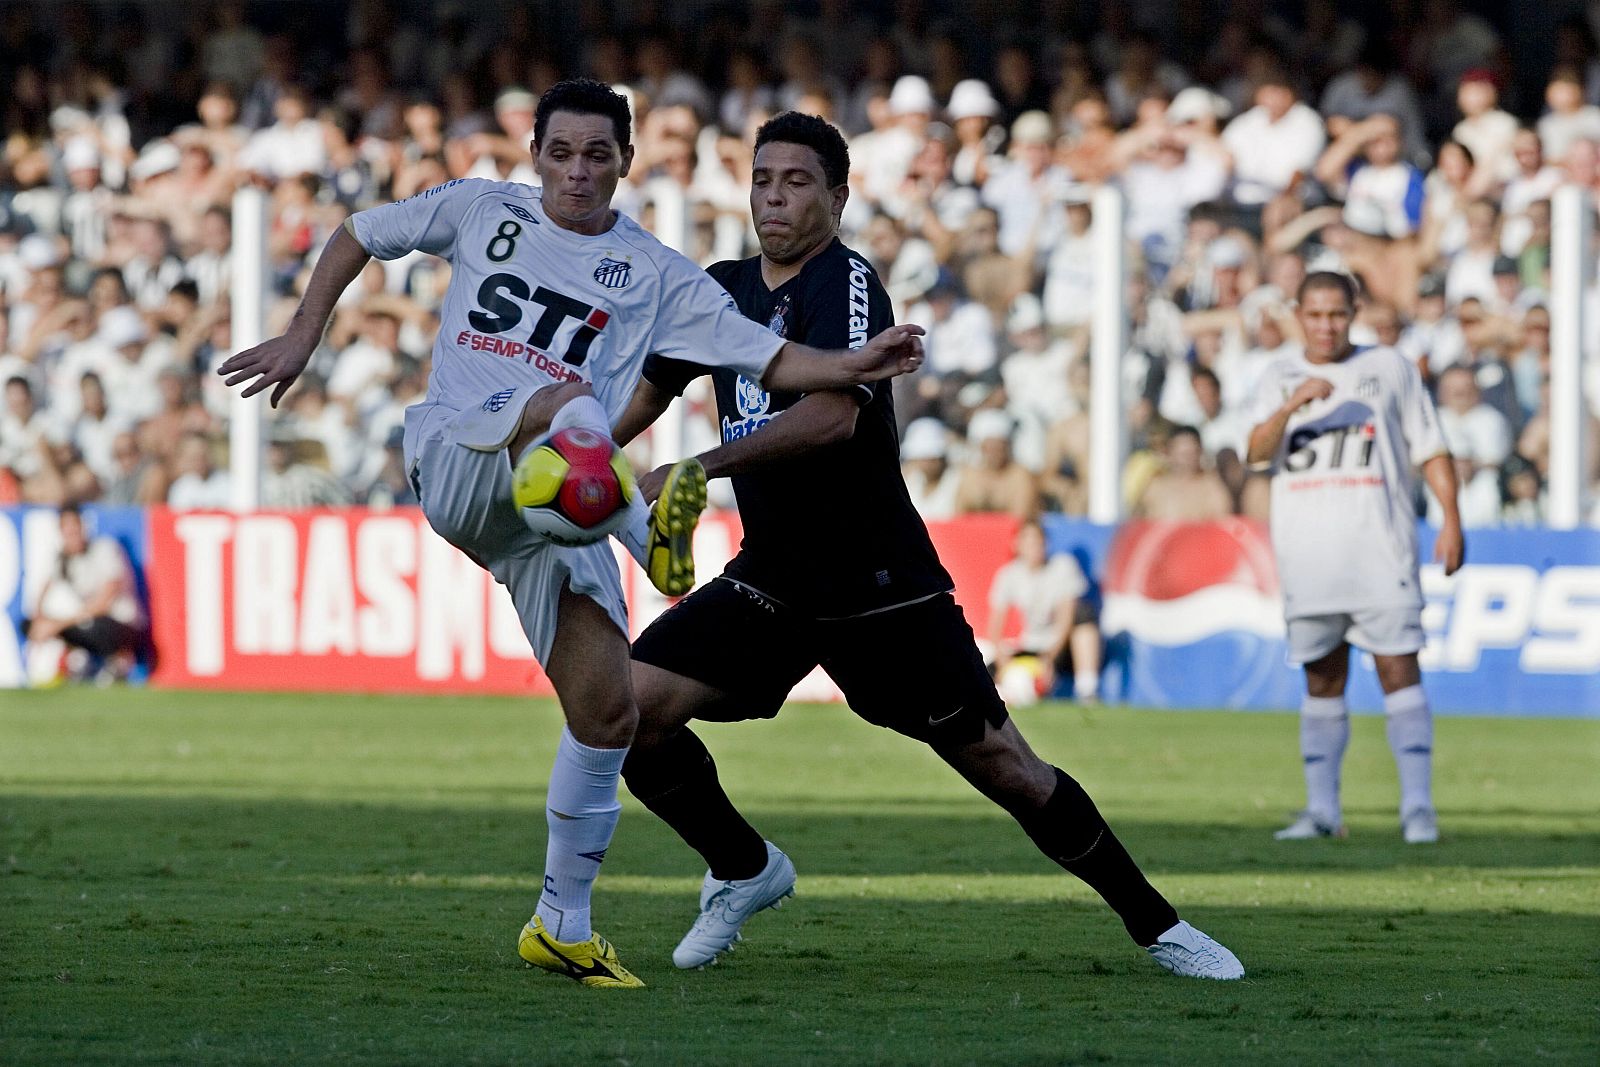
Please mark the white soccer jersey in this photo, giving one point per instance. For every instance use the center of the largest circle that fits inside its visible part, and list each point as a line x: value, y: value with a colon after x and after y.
x: 1344, y: 522
x: 531, y: 303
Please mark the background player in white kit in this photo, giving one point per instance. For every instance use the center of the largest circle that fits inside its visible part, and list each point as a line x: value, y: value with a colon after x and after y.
x: 1341, y: 429
x: 554, y: 302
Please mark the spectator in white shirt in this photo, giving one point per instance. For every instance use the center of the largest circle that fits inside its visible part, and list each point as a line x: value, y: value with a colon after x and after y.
x: 1274, y: 144
x: 1471, y: 272
x: 1173, y: 167
x: 972, y: 111
x: 1484, y: 128
x: 961, y: 340
x: 23, y: 427
x: 1382, y: 193
x: 1027, y: 186
x: 89, y: 600
x: 1532, y: 182
x: 1479, y: 438
x: 94, y: 431
x: 1058, y: 625
x: 1069, y: 271
x: 199, y: 485
x: 291, y: 146
x: 925, y: 464
x: 1569, y: 118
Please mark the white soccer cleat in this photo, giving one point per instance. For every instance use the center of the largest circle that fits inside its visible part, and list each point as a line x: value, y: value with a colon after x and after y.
x: 1187, y: 952
x: 1420, y: 826
x: 1307, y: 826
x: 724, y: 907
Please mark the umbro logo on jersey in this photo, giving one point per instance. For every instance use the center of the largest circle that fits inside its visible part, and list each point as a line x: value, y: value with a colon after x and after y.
x: 613, y: 273
x: 520, y: 212
x: 499, y: 400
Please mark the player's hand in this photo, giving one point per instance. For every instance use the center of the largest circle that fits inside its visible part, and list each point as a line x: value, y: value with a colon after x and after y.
x: 275, y: 362
x: 1310, y: 389
x: 650, y: 484
x: 1449, y: 548
x: 897, y: 350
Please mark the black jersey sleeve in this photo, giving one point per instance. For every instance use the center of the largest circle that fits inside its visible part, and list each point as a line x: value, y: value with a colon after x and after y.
x: 843, y: 306
x: 671, y: 375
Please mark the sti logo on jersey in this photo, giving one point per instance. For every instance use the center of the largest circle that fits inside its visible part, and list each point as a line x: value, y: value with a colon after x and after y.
x: 752, y: 402
x: 613, y: 273
x: 500, y: 310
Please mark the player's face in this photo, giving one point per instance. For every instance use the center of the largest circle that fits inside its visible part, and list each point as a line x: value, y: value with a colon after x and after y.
x: 794, y: 211
x: 579, y: 163
x: 1325, y: 316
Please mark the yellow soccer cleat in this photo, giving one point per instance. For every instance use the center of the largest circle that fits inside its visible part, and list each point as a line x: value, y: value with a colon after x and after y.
x: 670, y: 548
x: 592, y: 962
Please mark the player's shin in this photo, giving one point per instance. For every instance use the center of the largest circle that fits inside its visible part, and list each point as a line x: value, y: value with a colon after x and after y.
x: 1410, y: 729
x: 581, y: 810
x: 1324, y: 732
x: 1071, y: 831
x: 677, y: 780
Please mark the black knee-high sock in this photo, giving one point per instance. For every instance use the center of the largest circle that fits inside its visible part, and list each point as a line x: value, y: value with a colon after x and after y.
x: 1071, y: 831
x: 678, y: 781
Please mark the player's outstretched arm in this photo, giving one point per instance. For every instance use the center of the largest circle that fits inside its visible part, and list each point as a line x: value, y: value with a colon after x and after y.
x: 814, y: 421
x: 801, y: 369
x: 1265, y: 437
x: 279, y: 361
x: 1449, y: 548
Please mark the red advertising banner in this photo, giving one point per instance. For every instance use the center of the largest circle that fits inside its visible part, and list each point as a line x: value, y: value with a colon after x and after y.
x: 376, y: 602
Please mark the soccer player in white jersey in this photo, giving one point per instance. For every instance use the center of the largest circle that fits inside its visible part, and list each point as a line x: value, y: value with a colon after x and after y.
x: 1341, y: 429
x: 554, y: 302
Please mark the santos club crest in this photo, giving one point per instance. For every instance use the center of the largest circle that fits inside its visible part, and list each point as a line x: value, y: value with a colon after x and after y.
x: 613, y: 273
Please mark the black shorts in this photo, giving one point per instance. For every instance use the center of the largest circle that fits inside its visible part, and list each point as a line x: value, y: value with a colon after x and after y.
x: 914, y: 669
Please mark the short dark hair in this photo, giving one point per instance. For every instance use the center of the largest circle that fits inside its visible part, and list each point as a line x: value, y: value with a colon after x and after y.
x: 1328, y: 279
x: 585, y: 96
x: 1184, y: 431
x: 819, y: 135
x: 1205, y: 373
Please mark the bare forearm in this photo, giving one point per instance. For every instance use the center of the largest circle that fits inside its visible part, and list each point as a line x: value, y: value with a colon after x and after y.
x: 341, y: 261
x: 644, y: 408
x: 1265, y: 438
x: 814, y: 422
x: 1440, y: 473
x: 802, y: 369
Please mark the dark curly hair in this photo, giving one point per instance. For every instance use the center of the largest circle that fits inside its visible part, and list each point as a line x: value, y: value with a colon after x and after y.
x: 584, y: 96
x: 792, y: 127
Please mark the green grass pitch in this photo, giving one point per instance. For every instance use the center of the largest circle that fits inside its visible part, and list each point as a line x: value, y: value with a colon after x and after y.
x: 202, y: 878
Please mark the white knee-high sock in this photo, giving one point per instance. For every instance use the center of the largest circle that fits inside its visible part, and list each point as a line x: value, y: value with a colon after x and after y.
x: 1410, y: 729
x: 582, y: 411
x: 582, y: 811
x: 635, y: 533
x: 1324, y: 732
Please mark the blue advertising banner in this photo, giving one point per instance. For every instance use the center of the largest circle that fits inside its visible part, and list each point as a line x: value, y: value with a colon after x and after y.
x: 30, y: 549
x: 1192, y: 618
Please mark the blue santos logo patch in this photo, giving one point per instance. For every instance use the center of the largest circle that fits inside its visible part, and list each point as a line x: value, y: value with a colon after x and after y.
x: 499, y: 400
x: 613, y: 273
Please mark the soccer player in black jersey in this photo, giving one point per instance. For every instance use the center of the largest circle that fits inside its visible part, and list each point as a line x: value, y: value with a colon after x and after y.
x: 836, y: 569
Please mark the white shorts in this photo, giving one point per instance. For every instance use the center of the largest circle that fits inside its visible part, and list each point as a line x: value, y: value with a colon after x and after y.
x: 1391, y: 631
x: 466, y: 497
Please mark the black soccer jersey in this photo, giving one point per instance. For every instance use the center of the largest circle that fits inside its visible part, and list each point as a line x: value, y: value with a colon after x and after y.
x: 831, y: 533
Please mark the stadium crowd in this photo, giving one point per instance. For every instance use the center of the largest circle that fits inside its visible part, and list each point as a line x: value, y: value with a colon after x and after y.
x: 1263, y: 148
